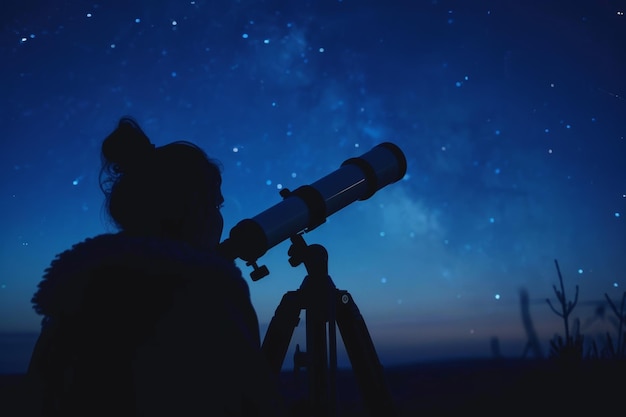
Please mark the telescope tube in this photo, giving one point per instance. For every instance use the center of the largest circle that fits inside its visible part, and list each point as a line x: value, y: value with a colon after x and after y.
x: 308, y: 206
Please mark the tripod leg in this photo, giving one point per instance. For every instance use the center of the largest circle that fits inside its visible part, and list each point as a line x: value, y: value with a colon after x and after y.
x: 317, y: 369
x: 280, y: 330
x: 365, y: 363
x: 332, y: 359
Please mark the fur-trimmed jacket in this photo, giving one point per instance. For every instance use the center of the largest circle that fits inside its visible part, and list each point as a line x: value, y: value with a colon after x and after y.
x: 148, y: 327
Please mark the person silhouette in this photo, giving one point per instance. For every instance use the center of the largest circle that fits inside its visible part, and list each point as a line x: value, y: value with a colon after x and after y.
x: 151, y: 320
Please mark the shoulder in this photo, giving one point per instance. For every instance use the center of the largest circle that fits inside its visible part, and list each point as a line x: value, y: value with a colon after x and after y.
x: 114, y: 265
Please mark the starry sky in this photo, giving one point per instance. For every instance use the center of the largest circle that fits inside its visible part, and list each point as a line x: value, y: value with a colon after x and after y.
x: 511, y: 116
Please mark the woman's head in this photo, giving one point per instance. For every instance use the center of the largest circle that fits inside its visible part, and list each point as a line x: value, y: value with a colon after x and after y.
x: 172, y: 191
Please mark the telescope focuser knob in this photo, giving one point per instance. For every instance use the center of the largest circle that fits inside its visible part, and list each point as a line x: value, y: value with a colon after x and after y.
x: 258, y: 272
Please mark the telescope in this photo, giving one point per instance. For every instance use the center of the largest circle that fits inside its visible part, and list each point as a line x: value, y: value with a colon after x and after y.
x: 308, y: 206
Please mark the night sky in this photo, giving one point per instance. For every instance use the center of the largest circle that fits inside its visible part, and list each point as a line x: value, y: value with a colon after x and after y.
x: 512, y: 118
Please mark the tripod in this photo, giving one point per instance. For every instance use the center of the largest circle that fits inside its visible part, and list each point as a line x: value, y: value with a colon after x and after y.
x: 325, y: 304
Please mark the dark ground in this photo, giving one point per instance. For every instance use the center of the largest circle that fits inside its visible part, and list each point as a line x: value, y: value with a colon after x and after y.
x: 480, y: 387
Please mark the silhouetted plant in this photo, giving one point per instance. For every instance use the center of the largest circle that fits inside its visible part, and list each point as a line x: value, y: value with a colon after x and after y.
x: 617, y: 350
x: 533, y: 340
x: 570, y: 347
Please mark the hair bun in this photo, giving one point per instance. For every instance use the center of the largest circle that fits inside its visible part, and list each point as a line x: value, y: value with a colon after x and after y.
x: 127, y: 146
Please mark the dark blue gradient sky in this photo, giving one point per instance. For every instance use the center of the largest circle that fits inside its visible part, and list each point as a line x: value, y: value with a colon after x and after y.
x: 512, y: 119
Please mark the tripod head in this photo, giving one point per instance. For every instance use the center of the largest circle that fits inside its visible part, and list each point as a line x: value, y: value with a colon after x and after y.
x: 314, y: 257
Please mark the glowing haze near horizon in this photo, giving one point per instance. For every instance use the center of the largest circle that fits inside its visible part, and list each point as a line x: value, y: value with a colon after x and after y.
x: 512, y: 119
